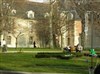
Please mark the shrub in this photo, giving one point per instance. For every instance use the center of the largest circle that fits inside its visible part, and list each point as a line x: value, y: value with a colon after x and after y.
x: 42, y: 56
x: 66, y: 56
x: 53, y: 55
x: 87, y: 54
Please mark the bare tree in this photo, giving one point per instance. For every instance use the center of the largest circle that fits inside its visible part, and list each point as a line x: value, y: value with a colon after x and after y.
x: 81, y: 7
x: 19, y: 30
x: 92, y: 6
x: 6, y: 8
x: 42, y: 31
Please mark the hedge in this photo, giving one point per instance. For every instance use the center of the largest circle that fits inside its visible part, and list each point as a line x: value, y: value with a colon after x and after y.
x: 53, y: 55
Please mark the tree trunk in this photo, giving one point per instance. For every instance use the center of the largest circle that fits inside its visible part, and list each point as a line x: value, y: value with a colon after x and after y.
x: 16, y: 43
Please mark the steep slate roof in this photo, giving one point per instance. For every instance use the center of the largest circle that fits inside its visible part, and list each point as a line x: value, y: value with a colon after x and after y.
x: 67, y: 5
x: 39, y: 8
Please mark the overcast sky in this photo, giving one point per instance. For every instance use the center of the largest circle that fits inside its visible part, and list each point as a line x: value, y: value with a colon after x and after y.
x: 36, y: 0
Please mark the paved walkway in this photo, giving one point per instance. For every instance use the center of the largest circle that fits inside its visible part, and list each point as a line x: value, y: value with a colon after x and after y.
x: 30, y: 51
x: 41, y: 51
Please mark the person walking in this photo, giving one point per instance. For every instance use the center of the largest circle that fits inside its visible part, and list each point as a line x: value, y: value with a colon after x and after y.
x: 4, y: 47
x: 34, y: 44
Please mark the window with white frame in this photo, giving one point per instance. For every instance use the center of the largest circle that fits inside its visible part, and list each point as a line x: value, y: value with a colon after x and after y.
x: 8, y: 39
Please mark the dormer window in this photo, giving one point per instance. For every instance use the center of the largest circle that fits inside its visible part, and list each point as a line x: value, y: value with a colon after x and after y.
x: 30, y: 14
x: 13, y: 11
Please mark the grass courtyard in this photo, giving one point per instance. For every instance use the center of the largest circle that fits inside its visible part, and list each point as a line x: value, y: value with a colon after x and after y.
x: 27, y: 62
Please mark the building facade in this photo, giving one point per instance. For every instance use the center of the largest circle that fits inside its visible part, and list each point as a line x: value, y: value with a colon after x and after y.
x: 21, y: 34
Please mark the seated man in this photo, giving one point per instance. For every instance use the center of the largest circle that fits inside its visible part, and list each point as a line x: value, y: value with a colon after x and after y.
x: 80, y: 48
x: 68, y: 49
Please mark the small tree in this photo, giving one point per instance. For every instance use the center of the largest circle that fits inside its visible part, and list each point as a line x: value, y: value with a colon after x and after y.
x: 6, y: 8
x: 19, y: 29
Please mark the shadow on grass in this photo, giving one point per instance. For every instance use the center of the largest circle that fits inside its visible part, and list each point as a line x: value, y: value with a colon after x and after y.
x: 70, y: 68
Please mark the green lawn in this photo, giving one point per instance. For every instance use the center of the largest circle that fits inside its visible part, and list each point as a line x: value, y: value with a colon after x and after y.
x: 27, y: 62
